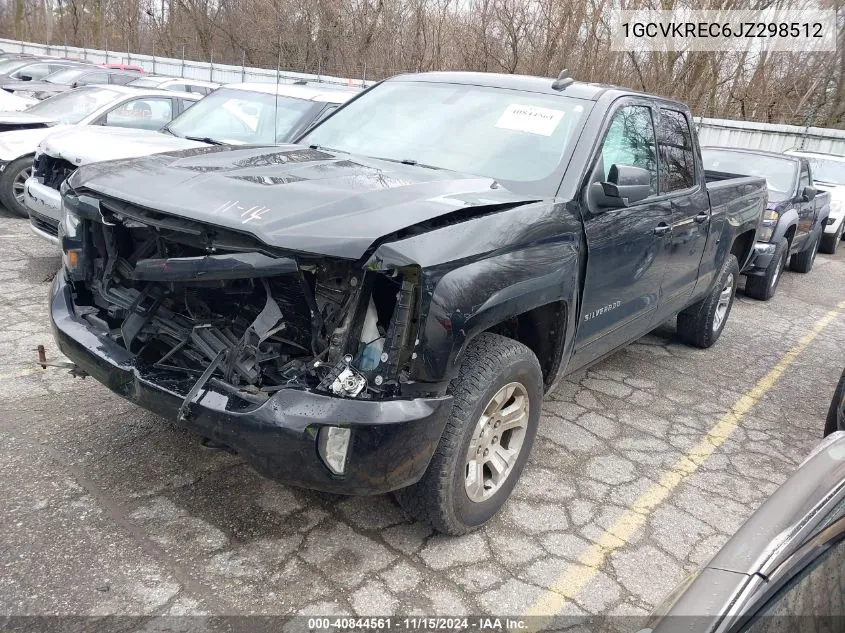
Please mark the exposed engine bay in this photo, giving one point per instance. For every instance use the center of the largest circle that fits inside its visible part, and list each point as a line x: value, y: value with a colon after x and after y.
x: 248, y: 322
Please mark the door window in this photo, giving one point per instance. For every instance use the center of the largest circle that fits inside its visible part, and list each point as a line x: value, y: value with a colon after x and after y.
x: 93, y: 78
x: 677, y: 157
x: 35, y: 71
x: 630, y: 141
x: 804, y: 179
x: 149, y: 113
x: 122, y: 79
x: 813, y: 601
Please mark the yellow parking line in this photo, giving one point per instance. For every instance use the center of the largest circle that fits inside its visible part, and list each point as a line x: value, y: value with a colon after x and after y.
x: 577, y: 576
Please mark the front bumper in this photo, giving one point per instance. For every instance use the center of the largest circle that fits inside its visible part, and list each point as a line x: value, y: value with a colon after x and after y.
x: 44, y: 205
x: 392, y: 440
x: 835, y: 225
x: 760, y: 258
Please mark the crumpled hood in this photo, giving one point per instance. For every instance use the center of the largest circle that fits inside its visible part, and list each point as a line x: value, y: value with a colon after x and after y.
x: 19, y: 143
x: 92, y: 143
x: 293, y: 197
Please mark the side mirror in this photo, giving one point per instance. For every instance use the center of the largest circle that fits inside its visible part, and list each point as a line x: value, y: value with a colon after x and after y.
x: 626, y: 185
x: 808, y: 194
x: 25, y: 77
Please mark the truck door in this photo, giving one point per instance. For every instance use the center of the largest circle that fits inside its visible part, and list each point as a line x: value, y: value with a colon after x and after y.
x: 626, y: 251
x: 681, y: 182
x: 806, y: 210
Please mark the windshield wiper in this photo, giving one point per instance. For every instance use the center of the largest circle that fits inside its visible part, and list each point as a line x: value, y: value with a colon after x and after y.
x: 203, y: 139
x: 407, y: 161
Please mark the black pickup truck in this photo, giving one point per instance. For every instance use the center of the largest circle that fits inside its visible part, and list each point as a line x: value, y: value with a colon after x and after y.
x: 794, y: 220
x: 381, y: 306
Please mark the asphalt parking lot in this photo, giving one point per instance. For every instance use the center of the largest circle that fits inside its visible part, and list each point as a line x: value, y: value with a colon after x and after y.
x: 643, y: 467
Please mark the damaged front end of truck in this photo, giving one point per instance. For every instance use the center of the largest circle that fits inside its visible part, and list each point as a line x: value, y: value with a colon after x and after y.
x: 243, y: 342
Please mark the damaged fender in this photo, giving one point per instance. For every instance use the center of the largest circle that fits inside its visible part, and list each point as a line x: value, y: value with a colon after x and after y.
x: 511, y: 262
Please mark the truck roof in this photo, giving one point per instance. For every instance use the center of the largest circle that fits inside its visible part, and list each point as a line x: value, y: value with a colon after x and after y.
x: 577, y: 90
x: 317, y: 92
x: 810, y: 154
x: 755, y: 152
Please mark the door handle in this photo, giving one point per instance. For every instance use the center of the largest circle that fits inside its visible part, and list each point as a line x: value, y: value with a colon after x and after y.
x: 662, y: 229
x: 701, y: 217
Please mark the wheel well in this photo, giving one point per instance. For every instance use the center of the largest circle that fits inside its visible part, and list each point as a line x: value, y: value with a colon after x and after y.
x: 741, y: 248
x: 542, y: 330
x: 790, y: 233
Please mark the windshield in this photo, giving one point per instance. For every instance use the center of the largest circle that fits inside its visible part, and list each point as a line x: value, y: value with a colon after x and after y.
x: 74, y: 105
x: 243, y: 117
x: 509, y: 135
x: 11, y: 65
x: 780, y: 173
x: 66, y: 75
x: 146, y: 82
x: 827, y: 170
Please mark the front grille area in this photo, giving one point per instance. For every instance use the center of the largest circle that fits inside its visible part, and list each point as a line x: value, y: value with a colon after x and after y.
x: 52, y: 171
x: 45, y: 224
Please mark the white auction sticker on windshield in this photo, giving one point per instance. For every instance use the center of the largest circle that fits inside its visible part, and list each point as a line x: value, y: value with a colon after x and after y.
x: 531, y: 119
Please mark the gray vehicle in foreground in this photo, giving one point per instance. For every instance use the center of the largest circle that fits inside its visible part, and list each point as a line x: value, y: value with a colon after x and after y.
x: 784, y: 569
x: 794, y: 220
x: 239, y: 114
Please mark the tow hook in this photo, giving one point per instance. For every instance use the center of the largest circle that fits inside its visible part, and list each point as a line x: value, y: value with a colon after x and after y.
x: 72, y: 368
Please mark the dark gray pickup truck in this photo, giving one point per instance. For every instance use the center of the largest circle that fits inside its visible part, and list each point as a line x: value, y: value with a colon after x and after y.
x: 381, y: 306
x: 794, y: 220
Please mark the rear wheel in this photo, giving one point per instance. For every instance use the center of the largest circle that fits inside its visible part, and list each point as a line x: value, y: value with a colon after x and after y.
x: 803, y: 262
x: 830, y: 241
x: 495, y: 412
x: 702, y: 323
x: 12, y: 181
x: 763, y: 286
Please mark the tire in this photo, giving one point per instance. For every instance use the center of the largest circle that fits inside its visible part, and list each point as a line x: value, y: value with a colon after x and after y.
x: 763, y: 287
x: 836, y: 414
x: 491, y: 365
x: 830, y: 242
x: 701, y: 324
x: 11, y: 185
x: 803, y: 262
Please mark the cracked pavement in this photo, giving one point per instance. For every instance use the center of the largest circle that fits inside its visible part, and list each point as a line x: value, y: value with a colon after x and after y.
x: 108, y: 509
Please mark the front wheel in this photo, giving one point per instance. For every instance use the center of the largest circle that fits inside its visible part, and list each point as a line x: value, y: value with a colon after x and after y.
x: 497, y: 396
x: 12, y: 181
x: 830, y: 241
x: 803, y: 262
x: 702, y: 323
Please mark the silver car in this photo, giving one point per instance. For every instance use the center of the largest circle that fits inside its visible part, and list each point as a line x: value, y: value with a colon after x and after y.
x: 102, y: 106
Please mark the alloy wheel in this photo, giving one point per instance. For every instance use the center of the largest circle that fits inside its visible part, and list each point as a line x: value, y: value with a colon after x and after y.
x: 19, y: 182
x: 724, y: 303
x: 496, y: 442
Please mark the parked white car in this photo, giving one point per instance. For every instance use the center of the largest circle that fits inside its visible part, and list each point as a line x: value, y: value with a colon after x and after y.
x: 90, y: 105
x: 14, y: 103
x: 176, y: 84
x: 829, y: 172
x: 237, y: 114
